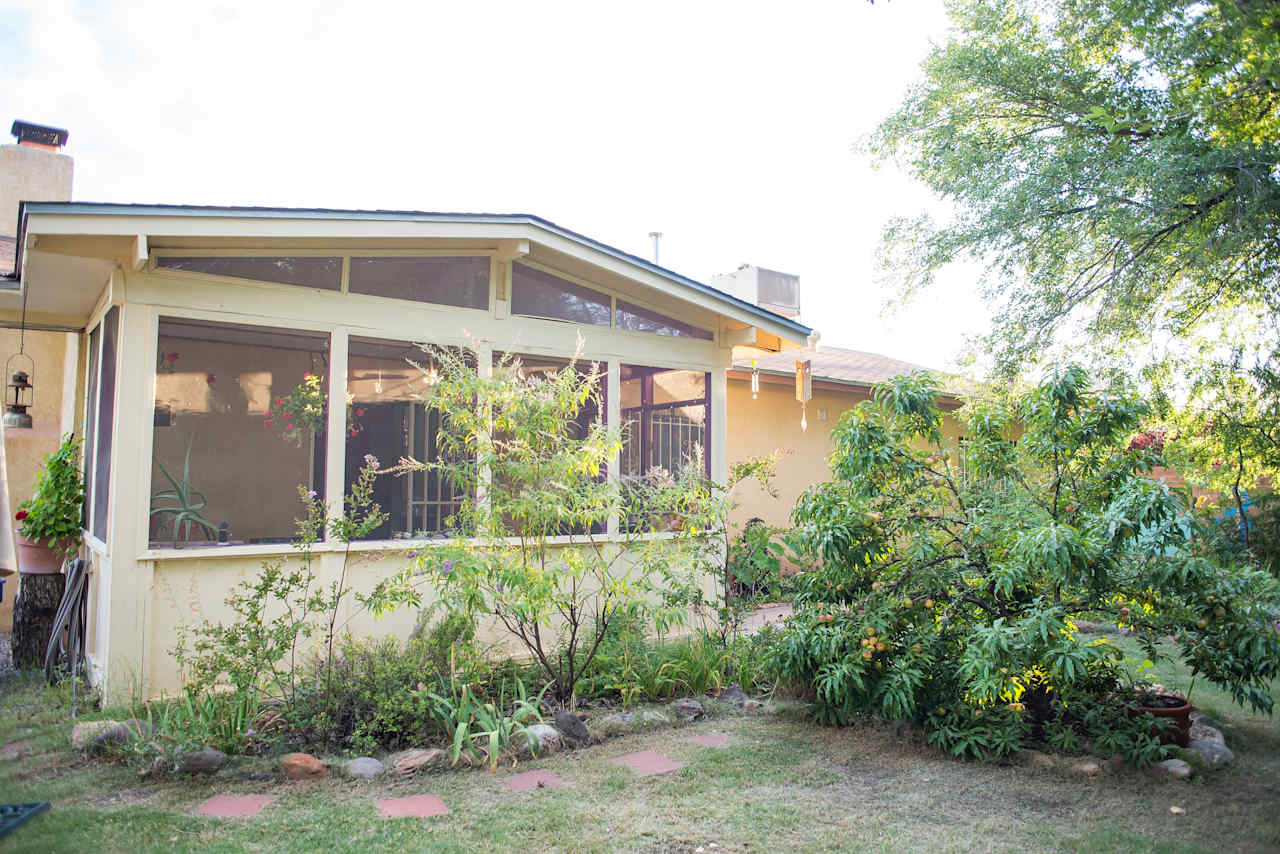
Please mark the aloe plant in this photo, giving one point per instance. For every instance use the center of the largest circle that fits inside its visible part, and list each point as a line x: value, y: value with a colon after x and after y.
x: 187, y: 501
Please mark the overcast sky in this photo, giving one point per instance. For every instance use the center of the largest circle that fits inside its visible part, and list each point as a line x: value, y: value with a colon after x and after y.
x: 729, y: 127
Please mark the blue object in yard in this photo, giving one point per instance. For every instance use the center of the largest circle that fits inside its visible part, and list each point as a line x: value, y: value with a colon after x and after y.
x: 13, y: 815
x: 1, y: 589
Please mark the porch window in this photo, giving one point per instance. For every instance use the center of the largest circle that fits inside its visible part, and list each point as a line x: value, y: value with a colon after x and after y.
x: 535, y: 293
x: 461, y: 282
x: 306, y: 271
x: 240, y: 424
x: 666, y: 419
x: 389, y: 419
x: 637, y: 319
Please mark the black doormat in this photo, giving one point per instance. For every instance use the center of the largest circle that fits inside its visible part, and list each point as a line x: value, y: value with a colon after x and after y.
x: 13, y: 815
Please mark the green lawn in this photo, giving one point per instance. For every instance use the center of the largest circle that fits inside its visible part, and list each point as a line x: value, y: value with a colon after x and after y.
x: 782, y: 784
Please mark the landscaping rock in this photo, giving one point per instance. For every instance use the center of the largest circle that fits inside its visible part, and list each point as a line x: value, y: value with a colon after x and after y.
x: 614, y: 725
x: 1038, y: 759
x: 412, y: 761
x: 1213, y: 753
x: 572, y: 727
x: 733, y: 694
x: 1205, y: 720
x: 650, y: 718
x: 752, y: 706
x: 549, y: 740
x: 1088, y: 769
x: 1203, y: 732
x: 1175, y: 768
x: 688, y: 709
x: 204, y: 761
x: 1115, y: 764
x: 363, y: 768
x: 89, y: 735
x: 304, y: 766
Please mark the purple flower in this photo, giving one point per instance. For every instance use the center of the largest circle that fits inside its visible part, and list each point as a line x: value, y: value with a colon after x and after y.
x: 446, y: 568
x: 412, y: 555
x: 311, y: 493
x: 501, y: 588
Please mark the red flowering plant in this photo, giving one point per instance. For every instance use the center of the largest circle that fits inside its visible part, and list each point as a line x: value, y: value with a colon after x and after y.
x: 52, y: 515
x: 300, y: 414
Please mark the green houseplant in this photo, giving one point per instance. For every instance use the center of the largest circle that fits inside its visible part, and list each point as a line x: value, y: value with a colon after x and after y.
x: 49, y: 521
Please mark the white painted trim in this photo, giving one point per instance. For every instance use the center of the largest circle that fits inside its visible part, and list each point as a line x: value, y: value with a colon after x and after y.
x: 335, y: 455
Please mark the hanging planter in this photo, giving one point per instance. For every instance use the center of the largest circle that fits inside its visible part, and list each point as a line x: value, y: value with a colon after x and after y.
x: 300, y: 414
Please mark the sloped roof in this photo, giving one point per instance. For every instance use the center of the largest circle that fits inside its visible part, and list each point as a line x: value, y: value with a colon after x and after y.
x: 796, y: 329
x: 834, y: 363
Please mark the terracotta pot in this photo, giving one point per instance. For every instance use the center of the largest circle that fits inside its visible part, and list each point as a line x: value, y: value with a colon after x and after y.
x: 1180, y: 714
x: 40, y: 557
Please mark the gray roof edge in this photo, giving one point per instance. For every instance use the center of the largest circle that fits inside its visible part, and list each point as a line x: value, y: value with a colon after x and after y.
x: 119, y: 209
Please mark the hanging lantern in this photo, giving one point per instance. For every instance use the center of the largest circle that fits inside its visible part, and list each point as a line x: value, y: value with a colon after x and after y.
x: 19, y: 393
x: 755, y: 381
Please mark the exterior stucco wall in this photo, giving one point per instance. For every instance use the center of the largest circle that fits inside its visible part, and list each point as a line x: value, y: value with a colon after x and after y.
x: 757, y: 427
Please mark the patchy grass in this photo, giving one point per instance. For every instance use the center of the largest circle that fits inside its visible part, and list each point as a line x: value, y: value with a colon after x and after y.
x: 781, y: 784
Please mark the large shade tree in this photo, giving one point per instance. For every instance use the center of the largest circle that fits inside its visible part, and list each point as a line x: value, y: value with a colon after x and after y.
x: 1116, y: 163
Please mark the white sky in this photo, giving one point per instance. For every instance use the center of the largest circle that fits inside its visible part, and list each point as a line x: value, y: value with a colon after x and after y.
x: 729, y: 127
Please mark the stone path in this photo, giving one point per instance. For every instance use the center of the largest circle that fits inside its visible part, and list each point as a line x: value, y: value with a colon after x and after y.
x: 533, y: 780
x: 645, y: 763
x: 414, y: 806
x: 235, y: 806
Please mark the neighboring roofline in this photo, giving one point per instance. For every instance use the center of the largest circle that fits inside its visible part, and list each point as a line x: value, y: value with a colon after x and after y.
x: 113, y: 209
x: 737, y: 373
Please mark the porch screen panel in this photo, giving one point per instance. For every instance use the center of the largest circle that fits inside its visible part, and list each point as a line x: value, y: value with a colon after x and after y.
x: 666, y: 419
x: 389, y: 385
x: 104, y: 428
x: 241, y: 419
x: 90, y: 425
x: 535, y: 293
x: 637, y: 319
x: 460, y: 282
x: 305, y: 271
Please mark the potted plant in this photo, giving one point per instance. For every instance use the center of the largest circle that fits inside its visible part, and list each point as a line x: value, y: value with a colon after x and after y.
x: 49, y: 522
x: 1155, y: 701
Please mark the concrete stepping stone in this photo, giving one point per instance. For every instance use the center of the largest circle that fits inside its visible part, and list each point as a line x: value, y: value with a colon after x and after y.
x: 647, y: 763
x: 711, y: 739
x: 415, y: 806
x: 530, y: 780
x: 235, y: 806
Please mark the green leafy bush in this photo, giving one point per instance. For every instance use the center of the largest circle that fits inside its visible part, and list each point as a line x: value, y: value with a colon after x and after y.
x: 941, y: 596
x: 53, y: 513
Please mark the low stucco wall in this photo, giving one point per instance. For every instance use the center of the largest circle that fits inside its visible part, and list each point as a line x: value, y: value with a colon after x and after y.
x: 185, y: 592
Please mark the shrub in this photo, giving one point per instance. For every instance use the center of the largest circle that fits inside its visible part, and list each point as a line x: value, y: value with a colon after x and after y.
x: 942, y: 595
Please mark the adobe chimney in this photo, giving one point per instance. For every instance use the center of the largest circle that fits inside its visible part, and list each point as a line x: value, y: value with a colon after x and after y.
x: 33, y: 170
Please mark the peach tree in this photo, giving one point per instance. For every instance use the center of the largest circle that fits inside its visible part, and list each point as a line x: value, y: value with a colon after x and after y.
x: 953, y: 574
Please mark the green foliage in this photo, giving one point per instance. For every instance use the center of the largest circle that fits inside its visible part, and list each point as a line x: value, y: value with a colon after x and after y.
x: 534, y: 497
x: 263, y: 648
x: 52, y: 514
x: 483, y: 728
x: 223, y: 720
x: 755, y: 563
x: 1115, y: 162
x: 942, y: 592
x: 634, y: 669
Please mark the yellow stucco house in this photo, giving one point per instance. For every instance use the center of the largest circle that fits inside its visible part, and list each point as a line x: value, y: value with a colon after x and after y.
x: 190, y: 327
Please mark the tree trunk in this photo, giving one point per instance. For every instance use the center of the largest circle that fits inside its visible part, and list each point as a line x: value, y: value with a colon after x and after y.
x: 39, y: 595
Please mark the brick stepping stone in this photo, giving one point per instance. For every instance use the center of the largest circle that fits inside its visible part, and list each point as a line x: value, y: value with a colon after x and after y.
x: 711, y: 739
x: 533, y: 780
x: 235, y: 806
x: 648, y: 762
x: 415, y: 806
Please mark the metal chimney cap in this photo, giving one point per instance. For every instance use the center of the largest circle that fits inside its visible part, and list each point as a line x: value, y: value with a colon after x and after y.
x: 39, y: 134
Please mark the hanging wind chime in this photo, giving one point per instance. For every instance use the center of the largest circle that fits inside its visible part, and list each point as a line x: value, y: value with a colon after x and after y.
x: 804, y: 389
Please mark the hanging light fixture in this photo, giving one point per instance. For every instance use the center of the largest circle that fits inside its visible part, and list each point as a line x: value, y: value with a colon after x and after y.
x: 20, y: 370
